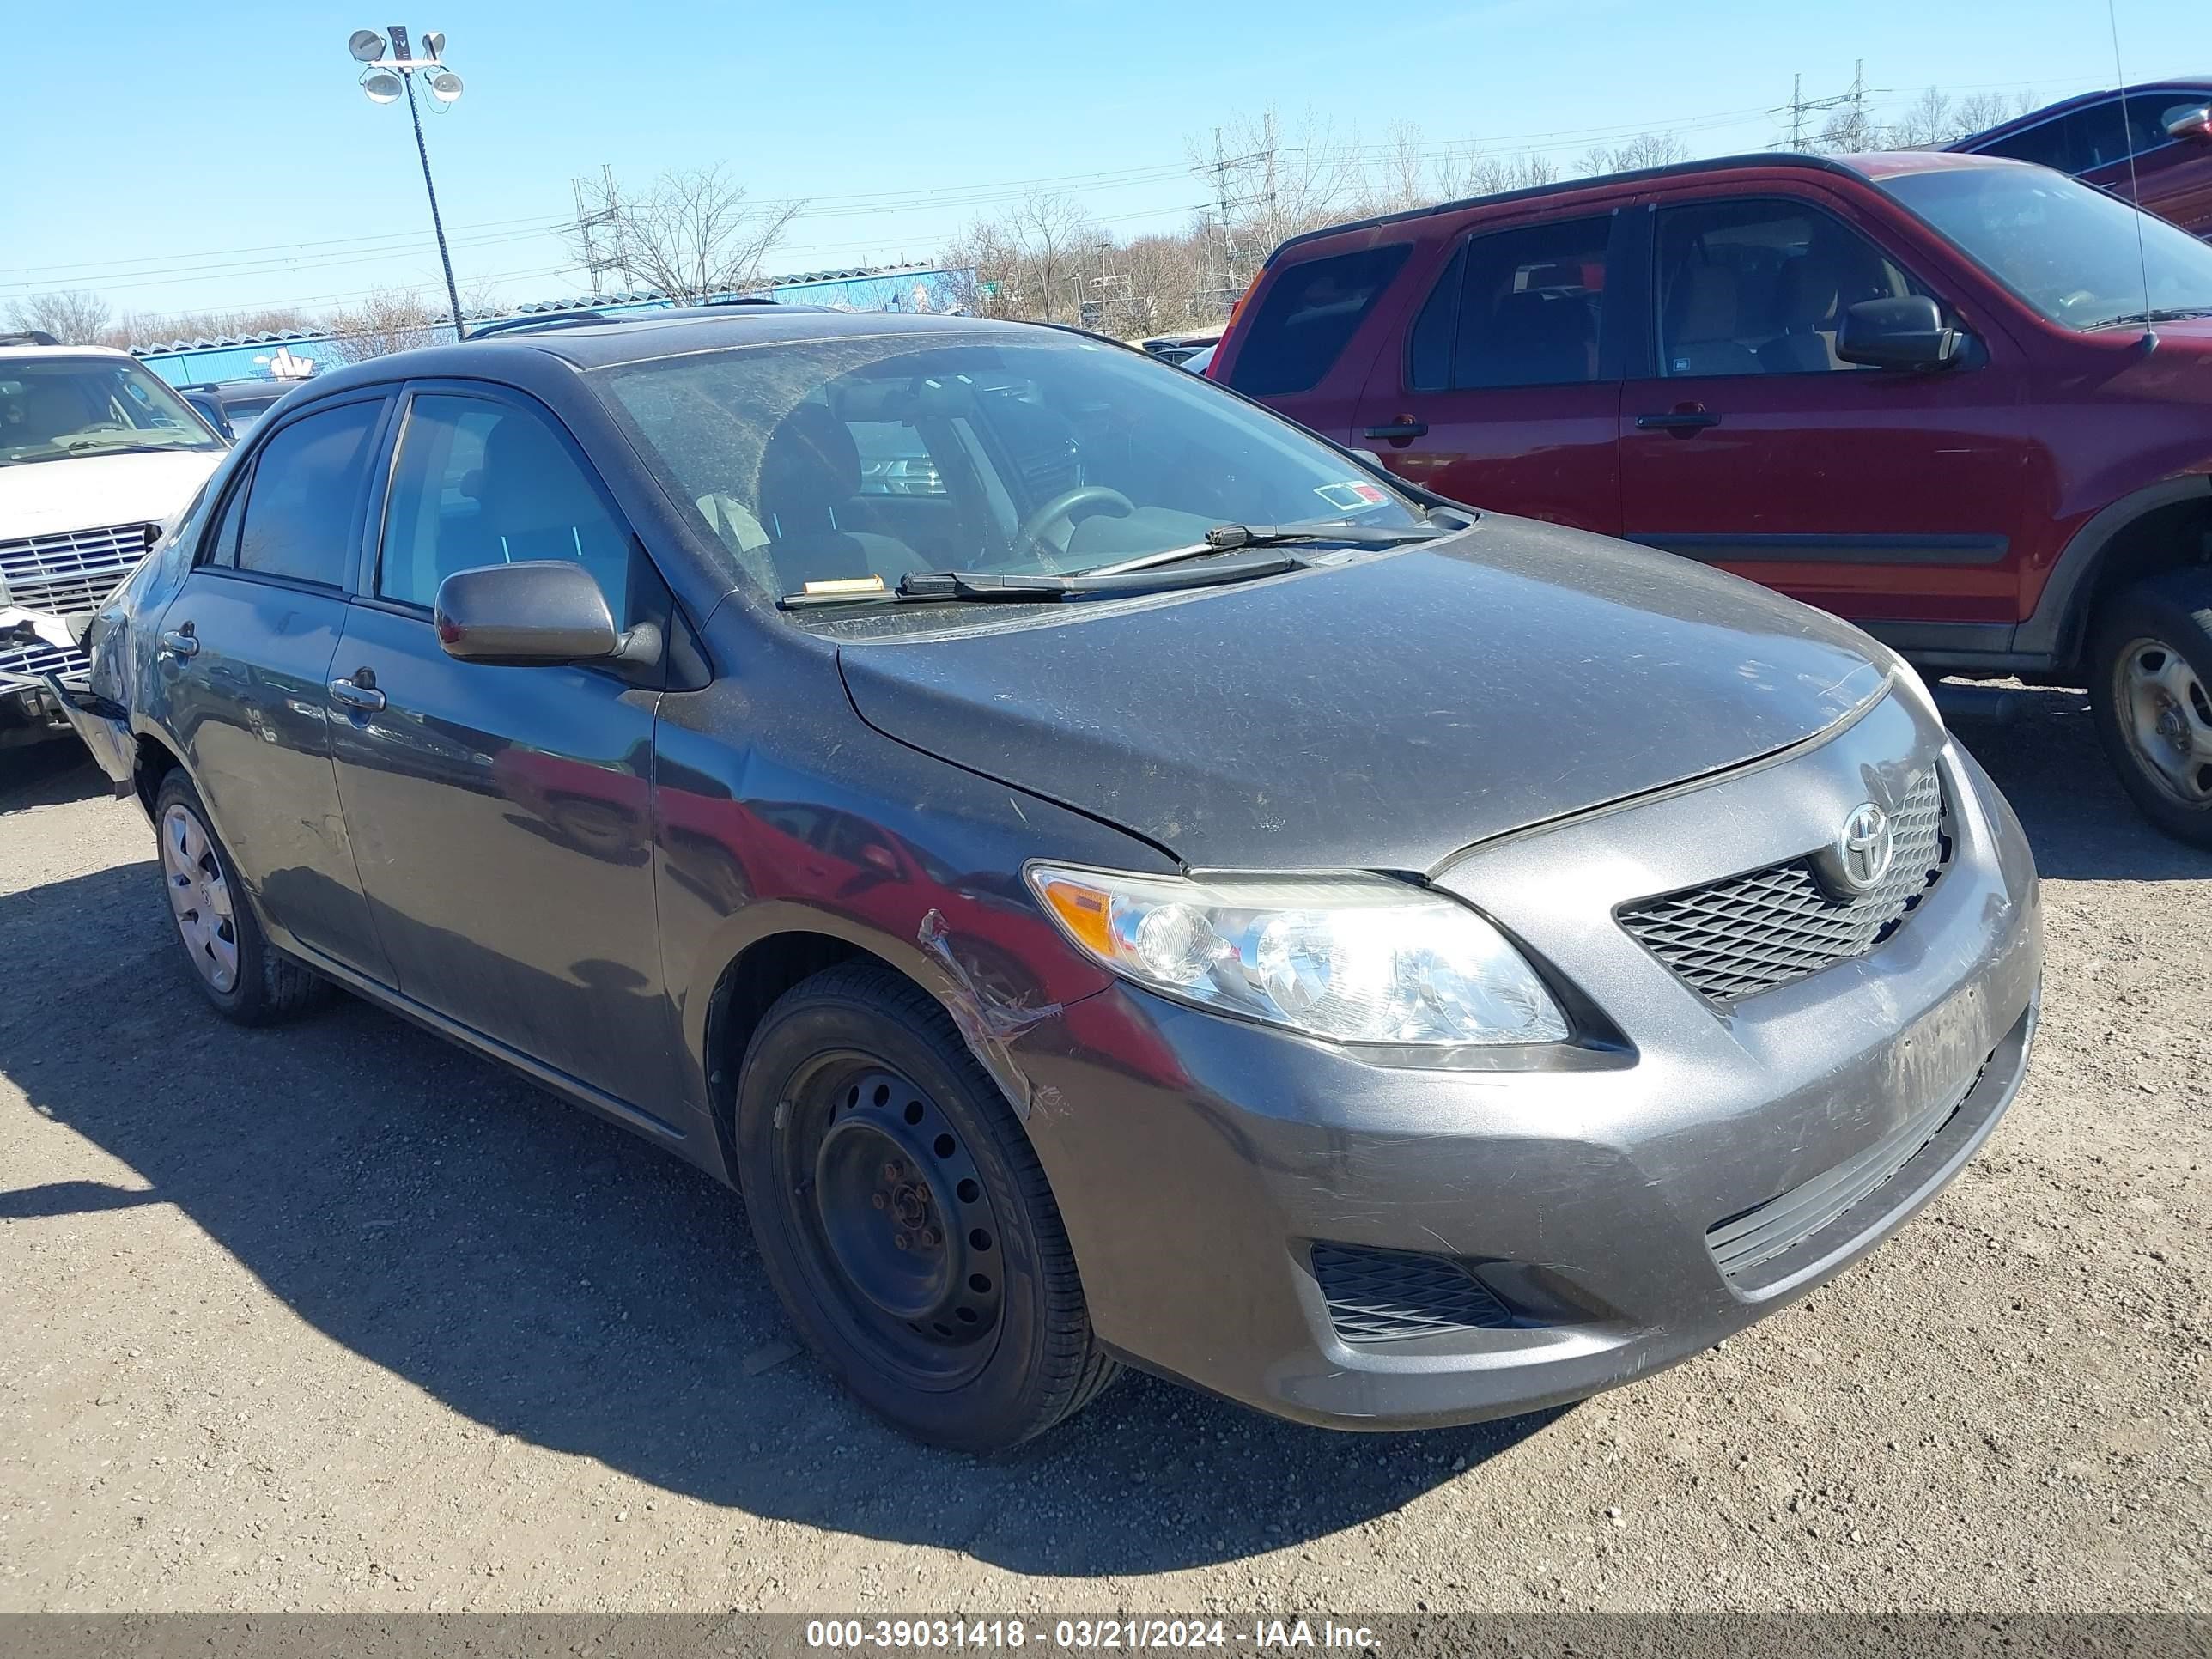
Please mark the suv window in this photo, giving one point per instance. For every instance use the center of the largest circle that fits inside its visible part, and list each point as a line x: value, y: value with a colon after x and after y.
x: 1518, y: 307
x: 306, y: 486
x: 1310, y: 311
x: 480, y: 483
x: 2098, y: 135
x: 1760, y: 288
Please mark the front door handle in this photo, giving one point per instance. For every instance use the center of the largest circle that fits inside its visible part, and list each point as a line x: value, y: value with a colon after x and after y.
x: 1680, y: 421
x: 1402, y: 431
x: 358, y: 693
x: 180, y: 641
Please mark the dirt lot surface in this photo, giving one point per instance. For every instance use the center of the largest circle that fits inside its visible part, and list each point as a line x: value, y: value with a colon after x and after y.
x: 336, y: 1317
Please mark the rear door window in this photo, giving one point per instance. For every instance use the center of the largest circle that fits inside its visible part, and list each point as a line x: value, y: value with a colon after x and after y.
x: 304, y: 499
x: 1307, y: 316
x: 1516, y: 308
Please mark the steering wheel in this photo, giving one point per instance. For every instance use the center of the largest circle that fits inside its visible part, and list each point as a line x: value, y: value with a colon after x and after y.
x: 1063, y: 505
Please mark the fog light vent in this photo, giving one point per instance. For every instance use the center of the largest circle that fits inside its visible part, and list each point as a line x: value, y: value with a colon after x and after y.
x: 1388, y: 1296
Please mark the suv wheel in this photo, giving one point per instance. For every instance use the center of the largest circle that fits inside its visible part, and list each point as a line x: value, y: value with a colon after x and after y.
x: 904, y: 1219
x: 243, y: 976
x: 2151, y: 687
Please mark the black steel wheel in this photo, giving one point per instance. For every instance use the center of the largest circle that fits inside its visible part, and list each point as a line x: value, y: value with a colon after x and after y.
x: 904, y: 1219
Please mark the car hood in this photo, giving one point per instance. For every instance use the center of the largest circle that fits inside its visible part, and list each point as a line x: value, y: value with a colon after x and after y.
x: 88, y: 492
x: 1385, y: 713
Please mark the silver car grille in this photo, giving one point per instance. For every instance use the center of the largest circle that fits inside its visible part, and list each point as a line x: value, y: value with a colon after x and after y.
x: 69, y: 573
x: 1748, y: 933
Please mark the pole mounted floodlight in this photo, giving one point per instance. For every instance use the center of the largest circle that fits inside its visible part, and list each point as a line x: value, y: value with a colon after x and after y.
x: 389, y: 76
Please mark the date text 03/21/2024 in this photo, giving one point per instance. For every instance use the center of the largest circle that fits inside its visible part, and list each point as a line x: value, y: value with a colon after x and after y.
x: 916, y: 1635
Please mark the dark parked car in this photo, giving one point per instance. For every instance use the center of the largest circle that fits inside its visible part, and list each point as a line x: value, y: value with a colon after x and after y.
x: 2150, y: 144
x: 1167, y: 892
x: 1916, y: 389
x: 231, y: 407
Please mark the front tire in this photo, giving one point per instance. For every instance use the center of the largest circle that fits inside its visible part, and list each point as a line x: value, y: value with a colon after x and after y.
x: 905, y: 1220
x: 245, y: 978
x: 2150, y: 666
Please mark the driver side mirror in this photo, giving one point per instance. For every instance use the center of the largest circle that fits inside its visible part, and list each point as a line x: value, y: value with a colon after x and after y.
x: 1907, y: 333
x: 538, y: 611
x: 2195, y: 123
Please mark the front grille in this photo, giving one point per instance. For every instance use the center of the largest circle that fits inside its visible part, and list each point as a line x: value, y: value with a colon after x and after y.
x: 67, y: 573
x: 1386, y: 1296
x: 1750, y: 933
x: 1781, y: 1223
x: 18, y: 666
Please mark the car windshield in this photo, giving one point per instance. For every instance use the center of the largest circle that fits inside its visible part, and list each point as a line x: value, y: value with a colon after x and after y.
x: 53, y: 408
x: 2067, y: 249
x: 876, y: 456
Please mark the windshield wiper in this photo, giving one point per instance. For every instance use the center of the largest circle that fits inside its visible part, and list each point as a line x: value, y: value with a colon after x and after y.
x: 1228, y: 537
x: 988, y: 586
x: 2166, y: 314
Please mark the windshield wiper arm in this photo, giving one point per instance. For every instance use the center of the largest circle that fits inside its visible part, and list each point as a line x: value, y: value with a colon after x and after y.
x: 988, y: 586
x: 1227, y: 538
x: 2163, y: 314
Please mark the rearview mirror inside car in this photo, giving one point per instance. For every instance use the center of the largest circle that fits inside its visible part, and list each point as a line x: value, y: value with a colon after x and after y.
x: 1907, y: 333
x: 541, y: 610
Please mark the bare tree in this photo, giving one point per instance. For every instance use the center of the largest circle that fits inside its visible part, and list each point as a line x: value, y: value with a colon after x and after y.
x: 1927, y: 121
x: 1979, y: 111
x: 391, y: 319
x: 694, y: 233
x: 140, y: 328
x: 1471, y: 172
x: 1647, y: 149
x: 1848, y: 130
x: 71, y: 316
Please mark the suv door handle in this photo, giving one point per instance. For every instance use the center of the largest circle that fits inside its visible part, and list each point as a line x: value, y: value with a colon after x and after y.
x: 179, y: 641
x: 359, y: 692
x: 1401, y: 432
x: 1680, y: 421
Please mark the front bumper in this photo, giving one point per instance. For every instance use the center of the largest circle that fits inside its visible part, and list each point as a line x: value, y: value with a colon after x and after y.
x: 1200, y: 1161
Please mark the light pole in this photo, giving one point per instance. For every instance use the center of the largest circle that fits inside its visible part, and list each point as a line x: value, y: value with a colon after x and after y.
x: 385, y: 80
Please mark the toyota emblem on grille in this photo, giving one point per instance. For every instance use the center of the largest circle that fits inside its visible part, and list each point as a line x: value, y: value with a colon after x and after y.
x: 1864, y: 848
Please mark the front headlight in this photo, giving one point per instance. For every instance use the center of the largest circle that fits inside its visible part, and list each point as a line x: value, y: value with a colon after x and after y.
x: 1351, y: 958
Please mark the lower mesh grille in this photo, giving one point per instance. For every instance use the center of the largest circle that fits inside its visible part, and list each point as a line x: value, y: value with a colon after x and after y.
x: 1748, y: 933
x: 1388, y: 1295
x: 1758, y: 1235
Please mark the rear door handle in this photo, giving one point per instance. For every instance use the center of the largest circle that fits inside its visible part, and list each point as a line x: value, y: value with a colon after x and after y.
x: 1682, y: 421
x: 179, y: 641
x: 1401, y: 432
x: 352, y: 693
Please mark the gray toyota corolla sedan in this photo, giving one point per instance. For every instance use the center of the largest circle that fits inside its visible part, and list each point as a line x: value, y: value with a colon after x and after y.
x: 1109, y: 875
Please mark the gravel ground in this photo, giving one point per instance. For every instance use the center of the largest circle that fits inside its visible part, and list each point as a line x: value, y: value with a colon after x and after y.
x: 337, y: 1317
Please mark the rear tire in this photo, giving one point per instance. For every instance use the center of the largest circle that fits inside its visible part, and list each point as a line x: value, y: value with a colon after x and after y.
x: 905, y: 1220
x: 2150, y: 673
x: 245, y: 978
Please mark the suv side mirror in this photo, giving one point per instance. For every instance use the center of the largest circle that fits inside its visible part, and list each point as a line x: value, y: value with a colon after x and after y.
x: 538, y: 611
x: 1907, y: 333
x: 2195, y: 124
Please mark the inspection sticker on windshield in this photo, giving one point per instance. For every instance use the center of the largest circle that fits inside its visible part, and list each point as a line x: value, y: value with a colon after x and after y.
x: 1352, y: 496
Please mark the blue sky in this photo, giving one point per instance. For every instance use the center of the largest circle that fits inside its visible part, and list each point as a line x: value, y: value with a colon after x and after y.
x: 220, y: 157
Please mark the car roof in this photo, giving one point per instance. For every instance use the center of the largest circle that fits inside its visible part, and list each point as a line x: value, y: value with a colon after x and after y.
x: 2036, y: 118
x: 8, y: 351
x: 592, y: 344
x: 1862, y: 168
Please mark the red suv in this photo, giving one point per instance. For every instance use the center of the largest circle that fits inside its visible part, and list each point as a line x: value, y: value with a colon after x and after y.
x: 2152, y: 144
x: 1966, y: 402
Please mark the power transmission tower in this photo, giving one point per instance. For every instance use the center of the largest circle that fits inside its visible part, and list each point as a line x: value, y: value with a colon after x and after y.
x: 1800, y: 106
x: 598, y: 232
x: 1227, y: 279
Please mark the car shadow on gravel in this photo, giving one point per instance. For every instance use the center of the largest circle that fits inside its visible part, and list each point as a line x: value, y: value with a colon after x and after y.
x: 2080, y: 823
x: 48, y: 774
x: 553, y: 1280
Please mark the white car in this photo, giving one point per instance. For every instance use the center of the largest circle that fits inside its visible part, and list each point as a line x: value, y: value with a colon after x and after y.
x: 96, y: 454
